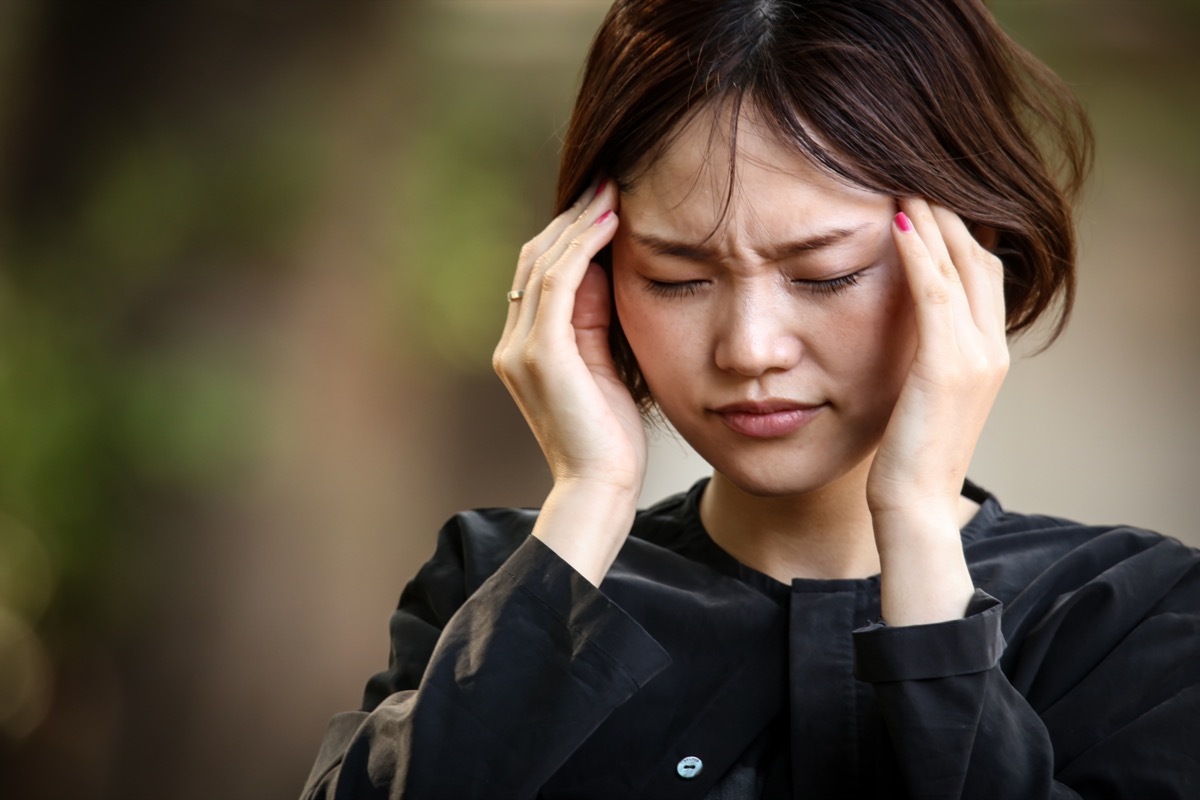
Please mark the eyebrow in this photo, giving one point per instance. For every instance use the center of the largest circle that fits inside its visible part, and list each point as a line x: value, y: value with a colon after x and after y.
x: 776, y: 252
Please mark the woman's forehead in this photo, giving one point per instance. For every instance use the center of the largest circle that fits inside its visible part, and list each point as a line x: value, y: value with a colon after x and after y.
x: 689, y: 180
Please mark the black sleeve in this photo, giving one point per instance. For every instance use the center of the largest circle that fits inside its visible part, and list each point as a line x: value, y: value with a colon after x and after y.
x: 1098, y: 695
x: 486, y: 694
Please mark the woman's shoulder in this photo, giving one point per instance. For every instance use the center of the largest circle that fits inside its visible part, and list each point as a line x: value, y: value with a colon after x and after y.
x: 1035, y: 536
x: 1095, y: 616
x: 1033, y: 562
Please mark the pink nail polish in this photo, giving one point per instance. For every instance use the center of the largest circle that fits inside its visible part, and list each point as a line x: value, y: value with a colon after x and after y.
x: 604, y: 216
x: 601, y: 187
x: 903, y: 222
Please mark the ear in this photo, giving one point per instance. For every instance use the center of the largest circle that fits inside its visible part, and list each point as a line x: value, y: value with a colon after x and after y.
x: 986, y: 235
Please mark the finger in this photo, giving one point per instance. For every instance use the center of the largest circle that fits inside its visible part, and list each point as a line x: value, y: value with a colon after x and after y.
x: 590, y: 320
x: 552, y: 232
x: 571, y: 246
x: 602, y: 200
x: 557, y: 289
x: 981, y: 273
x: 920, y: 212
x: 934, y: 297
x: 534, y: 248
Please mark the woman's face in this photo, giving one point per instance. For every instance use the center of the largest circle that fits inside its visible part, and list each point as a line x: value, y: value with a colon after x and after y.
x: 777, y: 346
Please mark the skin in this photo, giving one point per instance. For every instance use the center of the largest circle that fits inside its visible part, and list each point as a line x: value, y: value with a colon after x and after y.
x: 898, y: 367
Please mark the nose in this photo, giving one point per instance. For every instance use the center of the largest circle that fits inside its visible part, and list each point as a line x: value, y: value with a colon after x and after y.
x: 757, y: 333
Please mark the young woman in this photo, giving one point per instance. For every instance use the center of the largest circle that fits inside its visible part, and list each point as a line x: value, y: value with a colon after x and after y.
x: 799, y: 230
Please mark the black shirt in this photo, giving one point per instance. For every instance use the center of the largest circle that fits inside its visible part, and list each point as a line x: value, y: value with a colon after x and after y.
x: 1076, y: 672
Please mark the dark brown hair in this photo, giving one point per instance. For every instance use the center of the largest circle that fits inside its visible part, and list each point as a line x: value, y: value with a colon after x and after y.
x: 926, y: 98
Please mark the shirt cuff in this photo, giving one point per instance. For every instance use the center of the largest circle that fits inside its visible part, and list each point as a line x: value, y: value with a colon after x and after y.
x: 542, y: 574
x: 940, y: 650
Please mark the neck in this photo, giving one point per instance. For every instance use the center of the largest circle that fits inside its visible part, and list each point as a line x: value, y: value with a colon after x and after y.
x: 826, y: 533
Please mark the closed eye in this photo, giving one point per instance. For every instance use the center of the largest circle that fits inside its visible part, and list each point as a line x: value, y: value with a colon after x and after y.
x: 673, y: 289
x: 829, y: 286
x: 825, y: 286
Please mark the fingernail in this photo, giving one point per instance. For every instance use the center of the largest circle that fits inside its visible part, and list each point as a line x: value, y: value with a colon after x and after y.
x: 600, y: 188
x: 604, y: 216
x: 903, y: 222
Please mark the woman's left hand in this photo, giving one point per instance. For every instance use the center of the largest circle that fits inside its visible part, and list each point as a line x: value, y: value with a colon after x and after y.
x: 960, y: 362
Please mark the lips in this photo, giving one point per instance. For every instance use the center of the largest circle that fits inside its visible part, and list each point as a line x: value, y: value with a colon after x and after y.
x: 767, y: 419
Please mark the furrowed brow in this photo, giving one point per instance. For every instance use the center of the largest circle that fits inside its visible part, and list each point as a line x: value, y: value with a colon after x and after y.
x: 665, y: 247
x: 828, y: 238
x: 706, y: 253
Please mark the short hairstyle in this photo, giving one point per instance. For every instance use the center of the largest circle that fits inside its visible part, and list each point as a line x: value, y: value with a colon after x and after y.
x: 927, y: 98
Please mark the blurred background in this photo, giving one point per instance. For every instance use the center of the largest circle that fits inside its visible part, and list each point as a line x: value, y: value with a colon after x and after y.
x: 253, y: 256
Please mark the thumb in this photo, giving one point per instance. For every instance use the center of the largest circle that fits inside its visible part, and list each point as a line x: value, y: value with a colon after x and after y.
x: 592, y: 306
x: 590, y: 320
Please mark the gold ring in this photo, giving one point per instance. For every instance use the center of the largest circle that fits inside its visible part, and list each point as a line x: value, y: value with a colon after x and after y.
x: 516, y: 294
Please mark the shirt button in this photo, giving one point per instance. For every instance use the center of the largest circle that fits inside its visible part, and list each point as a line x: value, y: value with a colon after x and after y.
x: 689, y: 767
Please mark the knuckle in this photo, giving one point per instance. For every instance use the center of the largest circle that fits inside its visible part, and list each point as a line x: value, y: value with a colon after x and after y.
x: 551, y: 281
x: 502, y: 364
x: 989, y: 259
x: 1003, y: 361
x: 529, y: 250
x: 937, y: 294
x: 508, y: 360
x: 541, y: 263
x: 988, y: 366
x: 569, y: 233
x: 573, y: 246
x: 582, y: 213
x: 531, y: 361
x: 980, y: 365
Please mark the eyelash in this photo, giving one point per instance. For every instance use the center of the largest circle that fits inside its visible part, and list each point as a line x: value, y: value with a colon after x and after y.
x: 673, y: 290
x: 830, y: 286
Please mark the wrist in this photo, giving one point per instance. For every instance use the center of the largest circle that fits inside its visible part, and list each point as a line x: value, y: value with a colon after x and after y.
x: 595, y: 493
x: 923, y: 572
x: 900, y: 530
x: 586, y: 523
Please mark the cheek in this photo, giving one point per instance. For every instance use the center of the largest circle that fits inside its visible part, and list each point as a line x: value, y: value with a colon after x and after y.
x: 635, y: 319
x: 664, y: 336
x: 899, y: 326
x: 646, y: 328
x: 878, y: 340
x: 630, y: 311
x: 630, y: 299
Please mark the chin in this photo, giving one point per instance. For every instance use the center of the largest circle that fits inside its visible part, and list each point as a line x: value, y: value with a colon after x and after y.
x: 765, y: 474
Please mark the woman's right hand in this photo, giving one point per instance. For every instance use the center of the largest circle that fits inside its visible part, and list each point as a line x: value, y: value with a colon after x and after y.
x: 554, y: 355
x: 555, y: 360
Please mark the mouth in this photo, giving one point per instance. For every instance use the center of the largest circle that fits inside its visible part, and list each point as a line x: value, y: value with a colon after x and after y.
x: 767, y: 419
